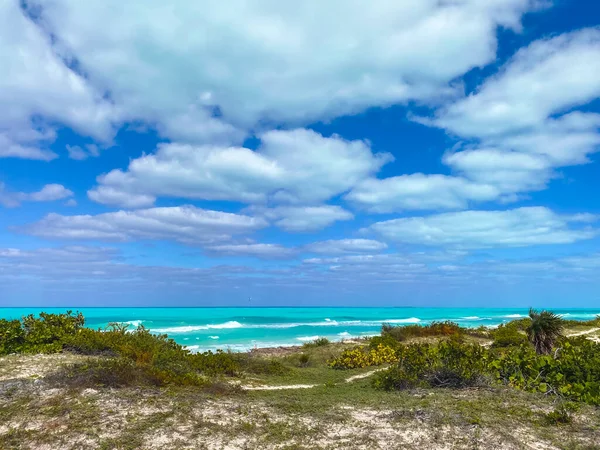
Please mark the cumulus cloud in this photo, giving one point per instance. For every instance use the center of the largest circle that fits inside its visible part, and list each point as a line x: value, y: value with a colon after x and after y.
x: 303, y: 218
x: 36, y: 85
x: 514, y: 140
x: 480, y: 229
x: 515, y: 115
x: 48, y: 193
x: 419, y: 192
x: 185, y: 224
x: 297, y: 166
x: 547, y: 77
x: 341, y: 246
x: 243, y: 63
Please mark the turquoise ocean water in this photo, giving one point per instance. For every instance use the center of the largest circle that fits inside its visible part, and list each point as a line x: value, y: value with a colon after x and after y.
x: 245, y: 328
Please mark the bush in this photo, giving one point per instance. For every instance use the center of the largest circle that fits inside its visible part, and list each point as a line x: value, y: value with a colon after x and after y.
x: 149, y: 358
x: 387, y: 340
x: 319, y: 342
x: 573, y: 372
x: 105, y: 372
x: 562, y: 414
x: 402, y: 333
x: 304, y: 360
x: 509, y: 335
x: 359, y: 357
x: 448, y: 364
x: 12, y: 336
x: 161, y: 357
x: 43, y: 334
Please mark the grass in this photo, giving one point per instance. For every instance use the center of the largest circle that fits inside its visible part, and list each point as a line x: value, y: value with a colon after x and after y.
x: 346, y: 415
x: 44, y: 406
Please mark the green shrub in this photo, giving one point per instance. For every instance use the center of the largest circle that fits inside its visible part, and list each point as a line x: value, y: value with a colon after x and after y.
x: 319, y: 342
x: 387, y: 340
x: 573, y: 372
x: 508, y: 335
x: 359, y: 357
x: 562, y: 414
x: 303, y: 360
x: 43, y: 334
x: 12, y: 336
x: 104, y: 372
x: 402, y: 333
x: 260, y: 366
x: 447, y: 364
x: 218, y: 363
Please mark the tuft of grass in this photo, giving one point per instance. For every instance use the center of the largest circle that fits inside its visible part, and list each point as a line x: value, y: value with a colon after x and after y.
x: 562, y: 414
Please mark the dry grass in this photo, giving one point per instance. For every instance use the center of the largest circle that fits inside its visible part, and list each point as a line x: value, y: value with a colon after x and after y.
x: 337, y: 415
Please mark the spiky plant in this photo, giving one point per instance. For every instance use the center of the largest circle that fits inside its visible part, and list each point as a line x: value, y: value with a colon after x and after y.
x: 544, y: 330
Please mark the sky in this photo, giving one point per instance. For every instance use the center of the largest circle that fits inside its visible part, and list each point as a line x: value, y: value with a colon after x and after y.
x: 314, y: 153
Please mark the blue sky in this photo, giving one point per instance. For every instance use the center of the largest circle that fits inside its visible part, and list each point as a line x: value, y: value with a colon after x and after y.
x: 316, y: 153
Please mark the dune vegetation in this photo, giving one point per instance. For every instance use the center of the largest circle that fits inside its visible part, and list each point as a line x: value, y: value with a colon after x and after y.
x: 530, y: 383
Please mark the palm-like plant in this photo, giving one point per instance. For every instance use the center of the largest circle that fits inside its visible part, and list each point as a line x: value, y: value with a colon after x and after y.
x: 544, y: 330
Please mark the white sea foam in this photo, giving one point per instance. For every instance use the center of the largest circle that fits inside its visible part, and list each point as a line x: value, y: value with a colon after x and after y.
x: 307, y: 338
x: 213, y: 337
x: 344, y: 334
x: 192, y: 328
x: 513, y: 316
x: 409, y: 320
x: 326, y: 323
x: 135, y: 323
x: 471, y: 318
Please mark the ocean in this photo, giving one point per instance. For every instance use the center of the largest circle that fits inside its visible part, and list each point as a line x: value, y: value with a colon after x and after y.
x: 241, y: 329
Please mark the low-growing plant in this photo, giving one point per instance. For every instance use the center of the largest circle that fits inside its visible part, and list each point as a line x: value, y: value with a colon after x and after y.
x: 447, y: 364
x: 562, y: 414
x: 572, y: 372
x: 104, y: 372
x: 508, y: 335
x: 387, y: 340
x: 359, y: 357
x: 304, y: 360
x: 319, y: 342
x: 259, y: 365
x: 43, y: 334
x: 402, y: 333
x: 12, y: 336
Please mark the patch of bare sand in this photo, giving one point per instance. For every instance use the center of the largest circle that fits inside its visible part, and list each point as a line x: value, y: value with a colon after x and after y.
x: 19, y: 367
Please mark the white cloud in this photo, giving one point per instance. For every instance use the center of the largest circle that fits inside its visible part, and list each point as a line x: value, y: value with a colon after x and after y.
x: 263, y: 251
x: 513, y: 115
x: 303, y: 218
x: 547, y: 77
x: 25, y: 144
x: 342, y: 246
x: 520, y: 143
x: 36, y: 83
x: 255, y: 62
x: 419, y: 192
x: 479, y: 229
x: 185, y: 224
x: 298, y: 166
x: 113, y: 196
x: 48, y: 193
x: 80, y: 153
